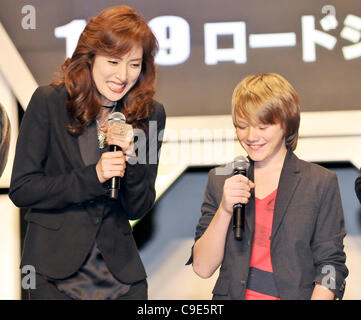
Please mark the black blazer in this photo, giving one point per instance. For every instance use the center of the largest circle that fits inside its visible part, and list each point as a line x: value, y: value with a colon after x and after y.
x: 307, y: 232
x: 67, y: 202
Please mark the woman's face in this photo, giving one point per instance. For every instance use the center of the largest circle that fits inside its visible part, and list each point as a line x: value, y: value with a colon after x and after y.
x: 114, y: 77
x: 264, y: 143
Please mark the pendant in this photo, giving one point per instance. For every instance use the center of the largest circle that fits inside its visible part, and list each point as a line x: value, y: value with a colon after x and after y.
x: 101, y: 139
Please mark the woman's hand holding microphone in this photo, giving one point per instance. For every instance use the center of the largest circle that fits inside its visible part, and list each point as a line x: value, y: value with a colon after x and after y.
x: 112, y: 164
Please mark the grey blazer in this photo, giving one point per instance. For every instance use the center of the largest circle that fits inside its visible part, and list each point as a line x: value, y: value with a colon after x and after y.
x: 307, y: 233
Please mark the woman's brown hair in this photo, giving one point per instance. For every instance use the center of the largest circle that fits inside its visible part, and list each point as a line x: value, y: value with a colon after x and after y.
x: 113, y: 33
x: 270, y: 99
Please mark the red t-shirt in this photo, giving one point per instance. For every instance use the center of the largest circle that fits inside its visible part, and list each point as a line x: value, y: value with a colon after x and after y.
x: 261, y: 284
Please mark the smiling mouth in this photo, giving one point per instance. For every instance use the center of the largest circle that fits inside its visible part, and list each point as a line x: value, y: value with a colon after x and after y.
x: 117, y: 88
x: 256, y: 146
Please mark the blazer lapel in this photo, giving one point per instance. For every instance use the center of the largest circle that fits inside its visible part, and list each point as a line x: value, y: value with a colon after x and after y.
x: 69, y: 142
x: 250, y: 207
x: 289, y: 180
x: 73, y: 150
x: 90, y: 154
x: 88, y: 145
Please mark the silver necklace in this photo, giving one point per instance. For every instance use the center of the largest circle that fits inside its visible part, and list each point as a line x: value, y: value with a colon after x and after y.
x: 101, y: 133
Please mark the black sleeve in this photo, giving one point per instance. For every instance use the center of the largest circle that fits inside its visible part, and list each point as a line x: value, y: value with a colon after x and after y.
x: 30, y: 186
x: 137, y: 192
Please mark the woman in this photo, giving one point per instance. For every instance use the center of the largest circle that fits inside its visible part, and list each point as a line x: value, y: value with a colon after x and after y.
x: 78, y: 239
x: 292, y: 247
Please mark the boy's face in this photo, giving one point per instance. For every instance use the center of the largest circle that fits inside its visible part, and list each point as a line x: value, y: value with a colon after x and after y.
x: 264, y: 143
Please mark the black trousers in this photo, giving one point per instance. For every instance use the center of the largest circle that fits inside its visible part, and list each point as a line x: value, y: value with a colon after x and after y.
x: 46, y: 290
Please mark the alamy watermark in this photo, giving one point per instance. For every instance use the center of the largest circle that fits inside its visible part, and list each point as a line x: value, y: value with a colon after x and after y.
x: 191, y: 146
x: 29, y: 279
x: 329, y: 280
x: 29, y: 19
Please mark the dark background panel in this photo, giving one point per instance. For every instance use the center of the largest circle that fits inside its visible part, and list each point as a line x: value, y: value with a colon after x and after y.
x: 194, y: 88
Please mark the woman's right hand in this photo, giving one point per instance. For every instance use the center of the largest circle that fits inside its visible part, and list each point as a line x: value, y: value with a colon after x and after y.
x: 236, y: 189
x: 110, y: 164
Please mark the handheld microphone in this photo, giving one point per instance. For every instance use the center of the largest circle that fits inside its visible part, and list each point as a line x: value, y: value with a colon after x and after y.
x: 240, y: 166
x: 115, y: 117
